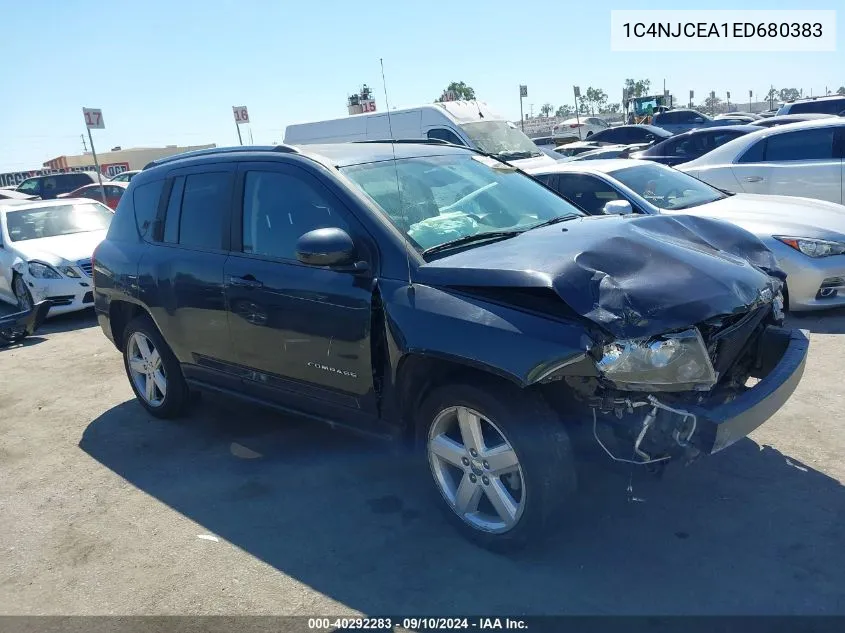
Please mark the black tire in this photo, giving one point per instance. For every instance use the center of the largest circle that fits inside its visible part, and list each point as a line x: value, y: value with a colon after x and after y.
x: 589, y: 134
x: 22, y: 293
x: 538, y: 438
x: 177, y: 397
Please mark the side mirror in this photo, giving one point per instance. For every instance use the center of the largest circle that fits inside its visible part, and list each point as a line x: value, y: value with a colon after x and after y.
x: 618, y: 207
x: 327, y: 247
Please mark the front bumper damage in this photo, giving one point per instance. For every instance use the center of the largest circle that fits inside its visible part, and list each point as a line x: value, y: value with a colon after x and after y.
x: 17, y: 326
x: 667, y: 426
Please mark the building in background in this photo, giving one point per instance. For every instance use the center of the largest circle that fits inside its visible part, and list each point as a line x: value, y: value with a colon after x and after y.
x: 118, y: 159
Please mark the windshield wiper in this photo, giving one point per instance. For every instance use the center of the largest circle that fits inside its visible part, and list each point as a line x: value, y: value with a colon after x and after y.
x: 557, y: 220
x: 514, y: 155
x: 469, y: 239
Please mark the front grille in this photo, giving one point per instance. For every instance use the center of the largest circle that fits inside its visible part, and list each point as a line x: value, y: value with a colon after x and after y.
x: 88, y: 297
x: 86, y: 266
x: 61, y: 300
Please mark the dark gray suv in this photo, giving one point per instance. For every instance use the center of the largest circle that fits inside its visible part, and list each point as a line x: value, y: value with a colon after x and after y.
x: 435, y: 296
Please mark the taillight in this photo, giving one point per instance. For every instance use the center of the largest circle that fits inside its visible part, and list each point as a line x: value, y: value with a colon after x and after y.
x: 575, y: 124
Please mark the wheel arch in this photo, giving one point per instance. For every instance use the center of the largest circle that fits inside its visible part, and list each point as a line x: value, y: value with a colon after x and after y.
x: 418, y: 374
x: 121, y: 313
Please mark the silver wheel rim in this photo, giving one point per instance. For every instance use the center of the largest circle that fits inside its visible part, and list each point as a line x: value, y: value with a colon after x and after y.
x: 476, y: 469
x: 21, y: 292
x: 145, y: 369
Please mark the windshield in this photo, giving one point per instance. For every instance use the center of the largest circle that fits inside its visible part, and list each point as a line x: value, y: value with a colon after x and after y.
x: 667, y: 188
x: 32, y: 224
x: 500, y: 139
x: 446, y: 198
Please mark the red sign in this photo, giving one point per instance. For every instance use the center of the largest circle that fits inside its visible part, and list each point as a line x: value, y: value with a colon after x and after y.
x: 113, y: 169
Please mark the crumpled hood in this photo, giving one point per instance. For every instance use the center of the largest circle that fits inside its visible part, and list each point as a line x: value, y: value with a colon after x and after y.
x: 634, y: 276
x: 777, y: 215
x: 61, y: 248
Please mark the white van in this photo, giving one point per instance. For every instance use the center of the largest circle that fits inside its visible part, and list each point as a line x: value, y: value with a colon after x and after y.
x: 469, y: 123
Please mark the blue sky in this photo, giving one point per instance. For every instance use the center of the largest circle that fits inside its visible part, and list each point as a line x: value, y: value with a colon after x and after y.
x: 168, y: 72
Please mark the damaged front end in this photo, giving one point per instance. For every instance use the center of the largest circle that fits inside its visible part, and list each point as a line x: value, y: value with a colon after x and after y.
x: 16, y: 327
x: 693, y: 391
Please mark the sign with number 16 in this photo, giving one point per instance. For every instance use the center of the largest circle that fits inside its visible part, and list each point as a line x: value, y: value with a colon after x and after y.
x: 241, y: 114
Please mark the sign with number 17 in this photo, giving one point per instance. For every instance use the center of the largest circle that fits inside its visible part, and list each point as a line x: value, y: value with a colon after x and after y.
x: 93, y: 118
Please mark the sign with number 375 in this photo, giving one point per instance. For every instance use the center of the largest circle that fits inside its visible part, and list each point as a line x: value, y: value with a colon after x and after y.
x: 93, y: 118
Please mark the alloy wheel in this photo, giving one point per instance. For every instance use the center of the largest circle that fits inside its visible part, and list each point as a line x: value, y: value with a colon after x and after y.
x: 146, y: 369
x: 476, y: 469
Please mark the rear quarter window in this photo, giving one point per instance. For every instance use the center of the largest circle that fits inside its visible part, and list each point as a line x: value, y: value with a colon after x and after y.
x: 754, y: 154
x: 135, y: 213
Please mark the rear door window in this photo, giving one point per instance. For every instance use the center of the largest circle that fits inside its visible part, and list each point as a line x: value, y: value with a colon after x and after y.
x: 814, y: 144
x: 197, y: 210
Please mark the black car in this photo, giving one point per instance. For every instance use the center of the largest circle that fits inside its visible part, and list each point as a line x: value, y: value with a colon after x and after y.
x: 689, y: 145
x: 630, y: 134
x: 433, y: 296
x: 49, y: 186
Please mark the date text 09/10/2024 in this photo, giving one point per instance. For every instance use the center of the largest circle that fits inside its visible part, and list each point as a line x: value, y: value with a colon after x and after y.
x: 422, y: 624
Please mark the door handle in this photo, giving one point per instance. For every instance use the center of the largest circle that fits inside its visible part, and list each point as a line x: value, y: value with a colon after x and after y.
x: 247, y: 281
x: 753, y: 179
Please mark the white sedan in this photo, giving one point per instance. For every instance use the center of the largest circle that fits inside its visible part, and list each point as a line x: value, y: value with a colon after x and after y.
x: 799, y: 159
x: 46, y: 252
x: 807, y: 236
x: 581, y: 128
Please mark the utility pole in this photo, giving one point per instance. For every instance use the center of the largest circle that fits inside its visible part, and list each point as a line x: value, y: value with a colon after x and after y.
x: 577, y: 92
x: 530, y: 110
x: 84, y: 146
x: 523, y: 92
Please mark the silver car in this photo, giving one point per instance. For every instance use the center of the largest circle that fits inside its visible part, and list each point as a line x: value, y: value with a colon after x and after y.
x: 806, y: 235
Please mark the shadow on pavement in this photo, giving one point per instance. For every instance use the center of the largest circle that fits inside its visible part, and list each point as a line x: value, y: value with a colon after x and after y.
x: 69, y: 322
x: 748, y: 531
x: 27, y: 342
x: 822, y: 321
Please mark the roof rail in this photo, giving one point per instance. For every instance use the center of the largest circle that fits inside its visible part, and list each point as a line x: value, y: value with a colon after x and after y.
x: 222, y: 150
x: 419, y: 141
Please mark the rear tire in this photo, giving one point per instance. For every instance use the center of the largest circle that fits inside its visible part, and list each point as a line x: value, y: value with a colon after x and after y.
x: 153, y: 371
x: 500, y: 460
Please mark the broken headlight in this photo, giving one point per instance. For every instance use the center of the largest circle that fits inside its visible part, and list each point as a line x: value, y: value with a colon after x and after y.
x: 669, y: 362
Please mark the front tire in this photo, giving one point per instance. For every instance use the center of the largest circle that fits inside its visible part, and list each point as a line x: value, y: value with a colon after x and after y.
x: 153, y: 371
x: 22, y: 293
x: 500, y: 460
